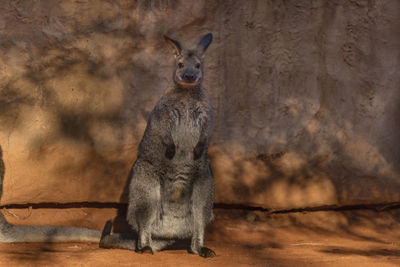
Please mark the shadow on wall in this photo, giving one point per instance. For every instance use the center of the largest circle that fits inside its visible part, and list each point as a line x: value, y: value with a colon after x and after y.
x: 331, y: 165
x: 2, y: 171
x: 71, y: 100
x: 77, y: 92
x: 79, y: 81
x: 78, y: 89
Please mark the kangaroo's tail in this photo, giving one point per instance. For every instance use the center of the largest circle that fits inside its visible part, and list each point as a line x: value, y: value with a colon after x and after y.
x: 10, y: 233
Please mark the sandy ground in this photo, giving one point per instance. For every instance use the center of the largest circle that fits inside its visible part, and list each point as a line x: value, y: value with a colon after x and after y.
x: 243, y: 238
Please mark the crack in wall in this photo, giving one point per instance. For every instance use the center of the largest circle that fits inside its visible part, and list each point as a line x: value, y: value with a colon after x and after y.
x: 379, y: 207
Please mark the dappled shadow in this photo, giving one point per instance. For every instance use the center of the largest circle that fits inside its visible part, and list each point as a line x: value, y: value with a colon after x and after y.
x: 94, y: 86
x: 88, y: 111
x: 79, y: 93
x: 34, y: 253
x: 367, y: 253
x: 370, y: 233
x: 298, y: 123
x: 339, y: 228
x: 233, y: 228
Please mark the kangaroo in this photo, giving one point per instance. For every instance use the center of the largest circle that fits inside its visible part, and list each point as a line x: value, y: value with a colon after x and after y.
x: 10, y: 233
x: 171, y: 189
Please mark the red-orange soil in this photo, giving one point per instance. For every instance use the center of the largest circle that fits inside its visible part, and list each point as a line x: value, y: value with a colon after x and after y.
x: 242, y: 238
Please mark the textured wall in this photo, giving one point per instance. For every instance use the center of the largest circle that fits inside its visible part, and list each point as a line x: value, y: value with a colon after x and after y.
x: 306, y: 96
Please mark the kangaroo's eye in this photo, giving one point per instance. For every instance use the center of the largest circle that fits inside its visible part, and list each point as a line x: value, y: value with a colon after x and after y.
x: 180, y: 65
x: 197, y: 65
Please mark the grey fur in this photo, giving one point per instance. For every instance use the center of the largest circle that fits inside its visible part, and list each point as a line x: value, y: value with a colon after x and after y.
x: 172, y: 187
x: 10, y: 233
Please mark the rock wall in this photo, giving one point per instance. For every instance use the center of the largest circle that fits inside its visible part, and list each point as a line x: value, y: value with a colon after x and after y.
x: 306, y: 97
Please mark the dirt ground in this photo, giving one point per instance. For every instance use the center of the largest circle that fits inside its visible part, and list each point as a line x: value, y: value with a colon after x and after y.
x: 243, y: 238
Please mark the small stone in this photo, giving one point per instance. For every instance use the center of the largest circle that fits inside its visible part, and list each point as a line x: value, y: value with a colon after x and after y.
x: 251, y: 217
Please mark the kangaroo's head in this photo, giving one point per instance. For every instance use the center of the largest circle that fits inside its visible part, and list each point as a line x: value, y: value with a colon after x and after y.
x: 189, y: 62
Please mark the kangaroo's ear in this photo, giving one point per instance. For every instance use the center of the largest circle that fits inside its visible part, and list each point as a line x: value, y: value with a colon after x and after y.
x: 174, y: 44
x: 204, y: 43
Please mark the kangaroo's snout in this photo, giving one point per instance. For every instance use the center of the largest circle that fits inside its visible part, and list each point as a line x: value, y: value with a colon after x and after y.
x: 189, y: 77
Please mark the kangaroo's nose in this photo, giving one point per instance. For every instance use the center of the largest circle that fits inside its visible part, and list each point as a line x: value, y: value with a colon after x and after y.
x: 189, y: 77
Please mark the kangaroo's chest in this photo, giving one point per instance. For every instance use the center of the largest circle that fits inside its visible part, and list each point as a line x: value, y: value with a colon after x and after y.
x: 187, y: 120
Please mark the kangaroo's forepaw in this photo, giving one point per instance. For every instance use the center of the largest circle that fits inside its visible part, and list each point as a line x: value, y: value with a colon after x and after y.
x: 198, y: 151
x: 170, y: 151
